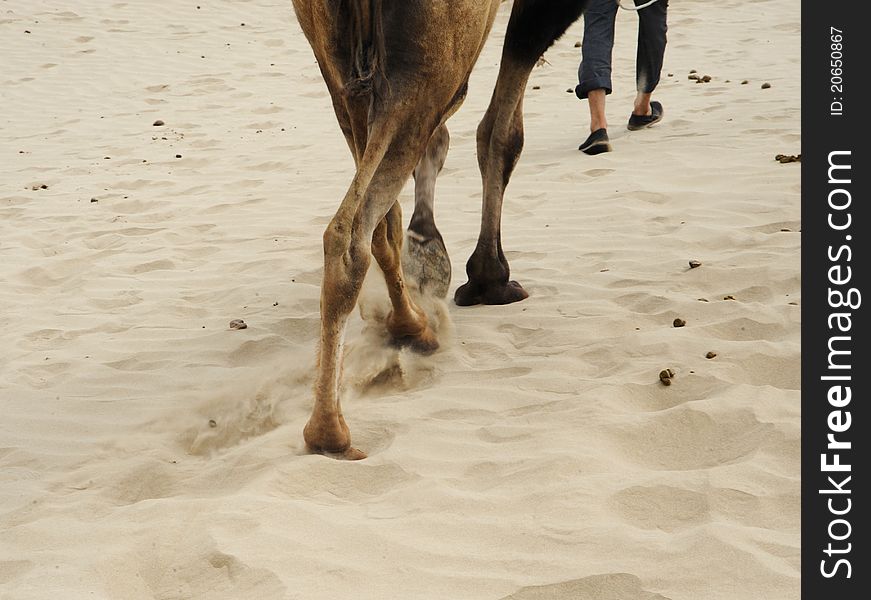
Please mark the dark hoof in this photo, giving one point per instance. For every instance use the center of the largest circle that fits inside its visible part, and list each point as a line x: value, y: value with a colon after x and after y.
x: 425, y: 261
x: 472, y: 293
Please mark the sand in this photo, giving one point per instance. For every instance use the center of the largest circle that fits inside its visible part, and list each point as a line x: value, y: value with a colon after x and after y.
x: 148, y: 450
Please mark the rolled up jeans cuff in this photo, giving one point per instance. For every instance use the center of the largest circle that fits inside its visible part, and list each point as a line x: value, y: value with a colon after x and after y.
x: 583, y: 89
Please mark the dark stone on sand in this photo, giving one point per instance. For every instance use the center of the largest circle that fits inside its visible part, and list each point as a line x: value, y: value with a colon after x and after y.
x: 678, y: 322
x: 706, y: 78
x: 94, y: 200
x: 728, y: 297
x: 577, y: 44
x: 570, y: 91
x: 745, y: 82
x: 693, y: 71
x: 693, y: 76
x: 238, y: 324
x: 788, y: 158
x: 710, y: 355
x: 178, y: 155
x: 213, y: 423
x: 158, y: 123
x: 695, y: 264
x: 536, y: 87
x: 766, y: 85
x: 665, y: 376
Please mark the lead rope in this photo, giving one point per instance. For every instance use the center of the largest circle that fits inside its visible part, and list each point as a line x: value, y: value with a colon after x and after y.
x: 634, y: 8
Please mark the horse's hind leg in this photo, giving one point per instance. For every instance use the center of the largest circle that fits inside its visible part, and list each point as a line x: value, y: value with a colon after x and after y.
x: 424, y: 257
x: 393, y: 146
x: 406, y: 322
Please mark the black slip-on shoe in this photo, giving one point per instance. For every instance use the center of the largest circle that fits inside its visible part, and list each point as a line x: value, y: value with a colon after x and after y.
x: 597, y: 143
x: 637, y: 122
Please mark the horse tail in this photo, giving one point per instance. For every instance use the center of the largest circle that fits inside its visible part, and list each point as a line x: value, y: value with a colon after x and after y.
x: 368, y: 47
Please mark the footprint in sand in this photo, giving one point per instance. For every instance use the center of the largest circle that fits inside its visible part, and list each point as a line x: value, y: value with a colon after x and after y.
x: 684, y: 439
x: 662, y: 507
x: 610, y: 586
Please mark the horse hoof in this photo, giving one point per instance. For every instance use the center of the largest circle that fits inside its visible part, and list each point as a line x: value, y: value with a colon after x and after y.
x: 472, y: 293
x: 425, y: 261
x: 424, y: 343
x: 350, y: 453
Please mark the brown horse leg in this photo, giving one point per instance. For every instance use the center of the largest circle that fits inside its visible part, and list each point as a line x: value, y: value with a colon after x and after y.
x: 394, y: 144
x: 406, y: 322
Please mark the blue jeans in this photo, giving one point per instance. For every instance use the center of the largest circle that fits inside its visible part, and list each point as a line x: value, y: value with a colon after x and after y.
x: 600, y: 16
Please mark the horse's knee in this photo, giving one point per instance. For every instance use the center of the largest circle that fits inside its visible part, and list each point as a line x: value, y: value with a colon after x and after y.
x: 346, y: 249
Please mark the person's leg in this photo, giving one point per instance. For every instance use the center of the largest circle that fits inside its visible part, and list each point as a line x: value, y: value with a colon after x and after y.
x: 596, y: 99
x: 594, y: 72
x: 652, y: 29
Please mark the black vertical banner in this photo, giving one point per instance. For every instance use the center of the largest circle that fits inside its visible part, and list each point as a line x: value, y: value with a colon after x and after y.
x: 836, y: 363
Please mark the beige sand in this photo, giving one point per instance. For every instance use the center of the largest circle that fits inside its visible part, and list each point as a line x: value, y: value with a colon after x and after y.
x: 536, y: 456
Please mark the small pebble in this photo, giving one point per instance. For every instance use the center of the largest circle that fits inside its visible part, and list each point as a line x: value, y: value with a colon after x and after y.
x: 536, y: 87
x: 159, y: 123
x: 671, y: 74
x: 570, y: 91
x: 693, y: 76
x: 788, y: 158
x: 729, y: 297
x: 213, y: 423
x: 679, y: 322
x: 693, y: 71
x: 745, y: 82
x: 766, y: 85
x: 695, y: 264
x: 93, y: 200
x: 577, y: 44
x: 703, y: 300
x: 238, y: 324
x: 710, y: 355
x: 706, y: 78
x: 665, y: 376
x: 178, y: 155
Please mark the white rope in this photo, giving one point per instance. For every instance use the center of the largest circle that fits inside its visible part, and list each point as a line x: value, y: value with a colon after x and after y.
x: 645, y: 5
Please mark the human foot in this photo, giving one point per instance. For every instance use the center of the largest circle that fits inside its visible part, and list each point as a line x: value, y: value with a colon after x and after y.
x: 597, y: 143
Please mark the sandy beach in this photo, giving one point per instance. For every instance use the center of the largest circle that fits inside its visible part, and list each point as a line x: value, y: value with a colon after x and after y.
x: 168, y: 166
